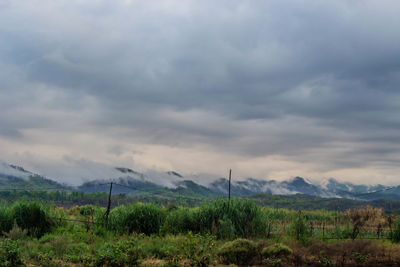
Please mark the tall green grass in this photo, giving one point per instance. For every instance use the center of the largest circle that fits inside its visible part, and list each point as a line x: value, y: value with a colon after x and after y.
x: 35, y: 217
x: 182, y: 220
x: 227, y: 220
x: 6, y: 219
x: 243, y: 216
x: 139, y: 218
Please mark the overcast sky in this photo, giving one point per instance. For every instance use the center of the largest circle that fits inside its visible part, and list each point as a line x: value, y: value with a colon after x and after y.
x: 271, y: 89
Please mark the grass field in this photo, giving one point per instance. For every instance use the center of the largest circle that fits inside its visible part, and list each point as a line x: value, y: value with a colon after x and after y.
x: 216, y: 233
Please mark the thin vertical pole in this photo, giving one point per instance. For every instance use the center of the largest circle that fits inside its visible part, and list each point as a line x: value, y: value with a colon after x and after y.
x: 109, y: 203
x: 229, y: 190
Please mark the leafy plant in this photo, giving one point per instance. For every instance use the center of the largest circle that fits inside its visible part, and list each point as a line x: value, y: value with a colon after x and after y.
x: 10, y: 255
x: 33, y: 217
x: 299, y: 229
x: 6, y: 220
x: 239, y: 251
x: 118, y: 254
x: 395, y: 235
x: 360, y: 216
x: 16, y: 233
x: 360, y: 258
x: 88, y: 214
x: 276, y: 250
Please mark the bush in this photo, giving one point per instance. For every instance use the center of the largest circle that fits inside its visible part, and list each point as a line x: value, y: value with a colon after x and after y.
x: 299, y: 230
x: 88, y: 214
x: 6, y: 220
x: 10, y: 255
x: 139, y: 218
x: 277, y: 250
x: 360, y: 216
x: 16, y: 233
x: 396, y: 232
x: 239, y: 251
x: 33, y: 217
x: 119, y: 254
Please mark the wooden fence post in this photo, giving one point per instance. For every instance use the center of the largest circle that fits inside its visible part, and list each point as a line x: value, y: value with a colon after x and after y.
x: 229, y: 188
x: 109, y: 203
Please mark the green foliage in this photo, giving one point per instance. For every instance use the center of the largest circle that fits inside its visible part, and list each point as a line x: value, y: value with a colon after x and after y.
x: 88, y: 213
x: 118, y: 254
x: 246, y: 217
x: 227, y: 220
x: 158, y: 247
x: 181, y: 220
x: 226, y: 230
x: 273, y: 261
x: 32, y: 216
x: 299, y: 229
x: 239, y: 251
x: 87, y: 210
x: 6, y: 220
x: 360, y: 258
x: 16, y: 233
x: 10, y: 255
x: 75, y: 252
x: 139, y: 218
x: 396, y: 232
x: 277, y: 250
x: 197, y: 249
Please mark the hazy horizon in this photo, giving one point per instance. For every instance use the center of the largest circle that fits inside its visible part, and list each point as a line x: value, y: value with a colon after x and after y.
x: 270, y: 89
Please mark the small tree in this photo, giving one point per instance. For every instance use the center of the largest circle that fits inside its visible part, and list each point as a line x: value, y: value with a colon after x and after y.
x: 360, y: 216
x: 298, y: 229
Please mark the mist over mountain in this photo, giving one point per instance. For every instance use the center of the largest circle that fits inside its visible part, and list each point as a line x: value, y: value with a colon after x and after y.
x: 130, y: 182
x: 16, y: 177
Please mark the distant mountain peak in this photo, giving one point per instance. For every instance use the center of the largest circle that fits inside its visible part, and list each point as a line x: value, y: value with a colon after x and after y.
x: 18, y: 168
x: 126, y: 170
x: 300, y: 181
x: 175, y: 174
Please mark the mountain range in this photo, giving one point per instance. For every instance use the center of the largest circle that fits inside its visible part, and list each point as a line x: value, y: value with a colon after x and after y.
x: 171, y: 184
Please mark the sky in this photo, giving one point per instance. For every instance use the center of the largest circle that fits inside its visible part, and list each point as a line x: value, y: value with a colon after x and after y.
x: 272, y: 89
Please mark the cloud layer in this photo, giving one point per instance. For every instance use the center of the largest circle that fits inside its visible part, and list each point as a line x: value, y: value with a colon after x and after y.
x: 272, y: 89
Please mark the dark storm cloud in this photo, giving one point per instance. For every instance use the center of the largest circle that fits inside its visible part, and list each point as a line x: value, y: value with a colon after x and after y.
x: 252, y: 77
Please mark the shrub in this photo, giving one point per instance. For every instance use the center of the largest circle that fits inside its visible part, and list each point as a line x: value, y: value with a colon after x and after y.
x: 16, y: 233
x: 396, y: 232
x: 33, y: 217
x: 6, y: 220
x: 360, y: 216
x: 88, y: 214
x: 87, y: 210
x: 239, y: 251
x: 299, y: 230
x: 118, y: 254
x: 10, y: 255
x: 277, y: 250
x: 75, y: 252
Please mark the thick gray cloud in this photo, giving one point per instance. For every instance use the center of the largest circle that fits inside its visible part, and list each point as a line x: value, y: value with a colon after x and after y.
x: 309, y: 85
